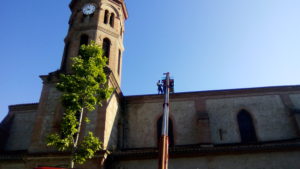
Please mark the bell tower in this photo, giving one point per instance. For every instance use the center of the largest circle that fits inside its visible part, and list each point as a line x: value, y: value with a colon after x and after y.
x: 102, y: 21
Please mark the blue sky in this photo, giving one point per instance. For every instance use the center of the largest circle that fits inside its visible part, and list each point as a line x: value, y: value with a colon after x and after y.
x: 205, y: 44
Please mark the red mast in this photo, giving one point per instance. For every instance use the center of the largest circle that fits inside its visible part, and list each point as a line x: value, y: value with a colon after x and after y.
x: 164, y: 139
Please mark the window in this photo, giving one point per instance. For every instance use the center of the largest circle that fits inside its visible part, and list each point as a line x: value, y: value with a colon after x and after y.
x: 65, y: 57
x: 112, y: 20
x: 119, y: 62
x: 84, y: 40
x: 106, y: 17
x: 247, y: 130
x: 159, y: 128
x: 106, y: 48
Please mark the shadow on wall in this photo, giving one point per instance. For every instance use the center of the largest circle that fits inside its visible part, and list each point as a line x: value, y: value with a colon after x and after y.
x: 112, y: 141
x: 5, y: 127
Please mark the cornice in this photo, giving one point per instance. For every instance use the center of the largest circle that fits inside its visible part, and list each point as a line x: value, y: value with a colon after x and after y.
x: 175, y: 152
x: 108, y: 31
x: 24, y: 155
x: 206, y: 150
x: 124, y: 8
x: 90, y: 27
x: 23, y: 107
x: 220, y: 93
x: 12, y: 155
x: 121, y: 2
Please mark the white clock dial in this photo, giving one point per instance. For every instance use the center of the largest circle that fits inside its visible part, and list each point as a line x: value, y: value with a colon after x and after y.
x: 88, y: 9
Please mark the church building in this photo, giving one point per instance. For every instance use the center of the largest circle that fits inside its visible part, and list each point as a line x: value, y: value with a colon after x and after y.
x: 255, y: 128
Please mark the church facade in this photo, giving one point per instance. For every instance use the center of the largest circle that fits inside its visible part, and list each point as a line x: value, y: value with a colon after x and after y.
x: 257, y: 128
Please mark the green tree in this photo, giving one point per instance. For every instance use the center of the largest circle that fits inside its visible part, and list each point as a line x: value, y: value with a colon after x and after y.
x: 82, y: 90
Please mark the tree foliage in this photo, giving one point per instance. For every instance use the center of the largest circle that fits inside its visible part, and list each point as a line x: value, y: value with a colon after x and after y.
x: 83, y: 89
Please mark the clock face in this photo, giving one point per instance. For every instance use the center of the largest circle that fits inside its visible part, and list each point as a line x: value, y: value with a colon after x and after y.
x: 88, y: 9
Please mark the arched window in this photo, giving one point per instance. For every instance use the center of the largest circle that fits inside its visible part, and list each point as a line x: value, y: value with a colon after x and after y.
x: 159, y: 128
x: 84, y: 39
x: 106, y: 16
x: 106, y: 48
x: 247, y: 130
x: 65, y: 57
x: 112, y: 20
x: 119, y: 62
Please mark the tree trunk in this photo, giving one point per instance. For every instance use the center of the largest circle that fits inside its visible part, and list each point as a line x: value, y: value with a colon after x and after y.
x: 76, y: 137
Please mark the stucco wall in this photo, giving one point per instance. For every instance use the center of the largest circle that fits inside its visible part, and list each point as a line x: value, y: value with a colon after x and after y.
x: 270, y: 113
x: 270, y: 117
x: 295, y: 98
x: 21, y: 130
x: 142, y: 122
x: 91, y: 125
x: 275, y: 160
x: 141, y: 130
x: 111, y: 124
